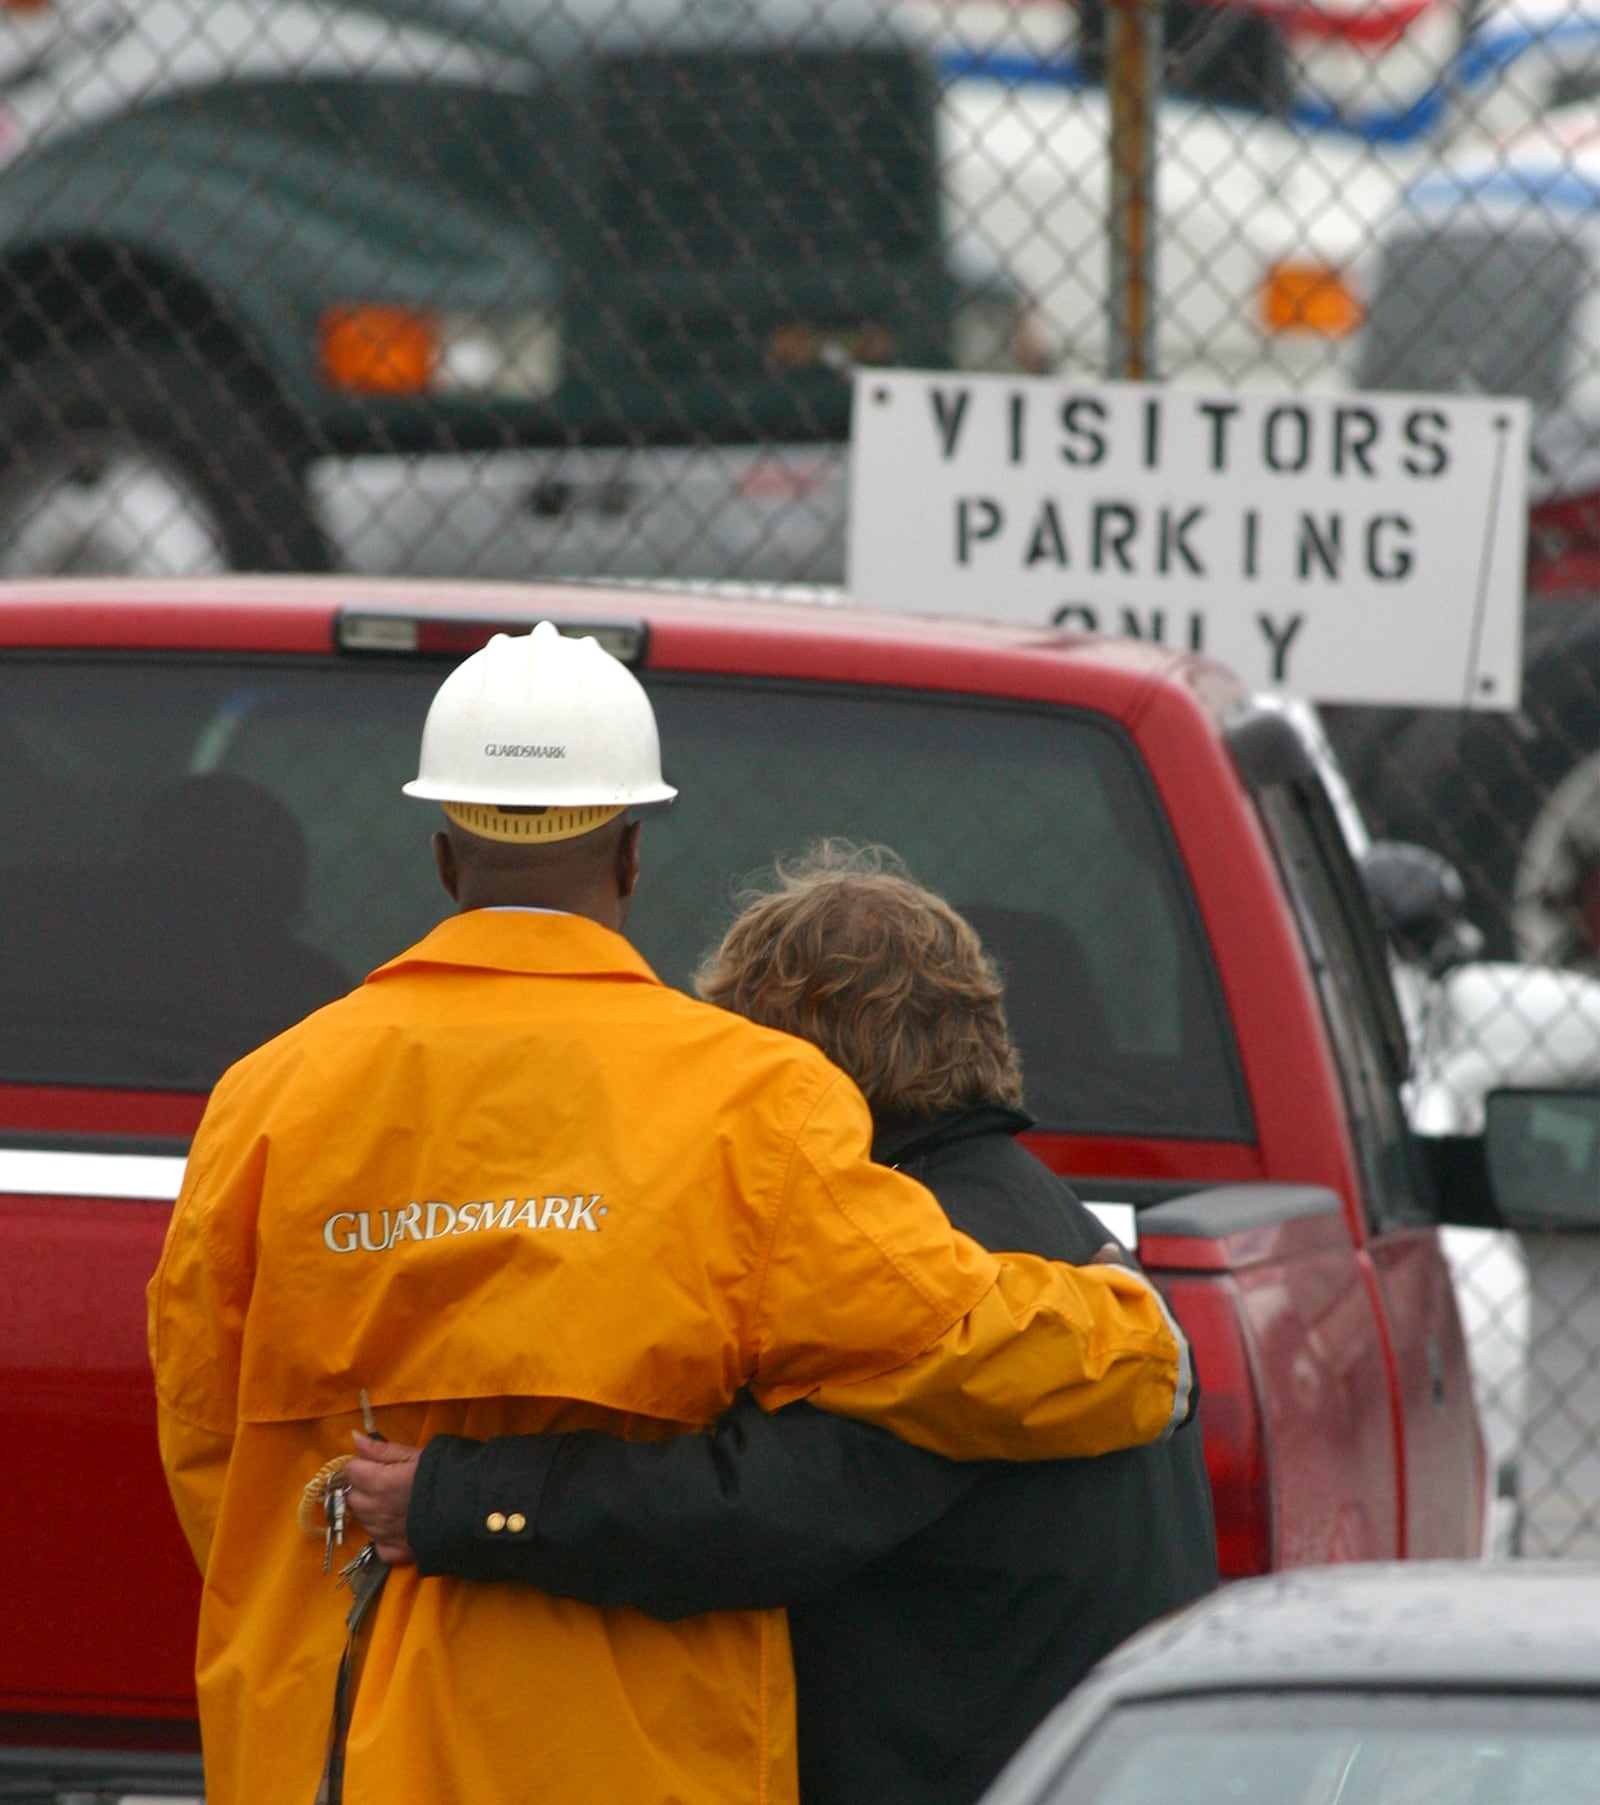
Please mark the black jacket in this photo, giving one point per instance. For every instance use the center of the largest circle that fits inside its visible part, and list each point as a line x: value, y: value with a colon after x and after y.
x: 937, y: 1608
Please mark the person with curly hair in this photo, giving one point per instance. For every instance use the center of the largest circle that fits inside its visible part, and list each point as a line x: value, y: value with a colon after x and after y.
x: 937, y: 1609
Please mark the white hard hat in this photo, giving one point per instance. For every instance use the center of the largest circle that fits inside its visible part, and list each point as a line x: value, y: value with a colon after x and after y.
x: 540, y: 737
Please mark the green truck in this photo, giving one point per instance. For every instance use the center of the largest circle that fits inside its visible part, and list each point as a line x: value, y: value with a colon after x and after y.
x: 579, y: 264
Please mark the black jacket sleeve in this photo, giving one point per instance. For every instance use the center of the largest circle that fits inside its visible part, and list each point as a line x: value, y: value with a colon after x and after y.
x: 759, y: 1511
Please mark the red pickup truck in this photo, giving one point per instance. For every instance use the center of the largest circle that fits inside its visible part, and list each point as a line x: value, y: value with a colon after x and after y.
x: 204, y: 837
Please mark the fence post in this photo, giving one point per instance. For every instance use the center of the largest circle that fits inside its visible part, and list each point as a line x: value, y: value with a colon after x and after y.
x: 1133, y: 82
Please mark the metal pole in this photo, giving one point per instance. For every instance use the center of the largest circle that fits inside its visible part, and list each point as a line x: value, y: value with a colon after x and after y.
x: 1133, y: 82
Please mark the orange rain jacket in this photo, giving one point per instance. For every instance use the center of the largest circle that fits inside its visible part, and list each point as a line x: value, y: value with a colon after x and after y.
x: 514, y: 1183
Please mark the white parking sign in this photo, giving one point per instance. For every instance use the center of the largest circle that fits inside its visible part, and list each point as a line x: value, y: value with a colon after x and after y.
x: 1351, y: 547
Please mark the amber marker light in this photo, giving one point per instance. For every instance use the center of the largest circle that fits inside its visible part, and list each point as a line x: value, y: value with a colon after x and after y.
x: 1309, y: 297
x: 379, y: 350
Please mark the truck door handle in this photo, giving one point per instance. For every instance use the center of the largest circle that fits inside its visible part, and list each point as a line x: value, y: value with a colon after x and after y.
x: 1436, y: 1372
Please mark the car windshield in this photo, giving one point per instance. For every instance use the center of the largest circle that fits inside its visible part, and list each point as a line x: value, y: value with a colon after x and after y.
x: 1341, y: 1749
x: 195, y: 853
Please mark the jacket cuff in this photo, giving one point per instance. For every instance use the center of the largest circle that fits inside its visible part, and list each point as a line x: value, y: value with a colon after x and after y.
x: 473, y: 1502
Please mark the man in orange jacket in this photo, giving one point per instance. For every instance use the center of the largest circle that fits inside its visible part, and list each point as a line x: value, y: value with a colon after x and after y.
x: 513, y: 1183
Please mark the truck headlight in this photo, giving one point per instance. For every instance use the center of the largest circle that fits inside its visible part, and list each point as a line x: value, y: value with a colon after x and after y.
x: 518, y: 358
x: 373, y: 348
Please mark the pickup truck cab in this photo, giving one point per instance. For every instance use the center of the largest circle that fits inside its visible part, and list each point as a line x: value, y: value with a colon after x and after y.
x: 204, y: 838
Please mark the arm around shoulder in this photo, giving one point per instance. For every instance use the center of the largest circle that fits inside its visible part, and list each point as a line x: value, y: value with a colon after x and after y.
x: 1054, y: 1360
x: 873, y: 1306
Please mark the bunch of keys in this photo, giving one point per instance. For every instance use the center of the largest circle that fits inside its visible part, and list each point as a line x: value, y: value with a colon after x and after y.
x: 328, y: 1496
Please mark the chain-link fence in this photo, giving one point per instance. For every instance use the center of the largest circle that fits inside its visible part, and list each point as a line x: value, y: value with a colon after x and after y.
x: 528, y: 288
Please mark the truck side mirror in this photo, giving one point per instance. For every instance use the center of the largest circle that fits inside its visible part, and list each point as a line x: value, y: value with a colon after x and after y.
x: 1543, y: 1154
x: 1420, y: 903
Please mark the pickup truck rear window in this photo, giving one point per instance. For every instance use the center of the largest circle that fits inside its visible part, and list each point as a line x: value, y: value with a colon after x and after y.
x: 194, y: 853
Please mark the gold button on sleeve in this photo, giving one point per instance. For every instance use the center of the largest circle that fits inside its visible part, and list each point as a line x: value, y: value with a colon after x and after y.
x: 516, y: 1522
x: 495, y: 1521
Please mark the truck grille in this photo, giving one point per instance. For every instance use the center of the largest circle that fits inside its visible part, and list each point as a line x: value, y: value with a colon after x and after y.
x: 1476, y: 312
x: 774, y: 158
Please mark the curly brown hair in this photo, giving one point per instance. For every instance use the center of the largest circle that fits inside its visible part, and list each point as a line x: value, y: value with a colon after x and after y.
x: 847, y: 951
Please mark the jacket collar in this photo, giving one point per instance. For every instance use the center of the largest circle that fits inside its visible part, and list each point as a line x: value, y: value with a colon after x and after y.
x: 897, y: 1142
x: 518, y: 940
